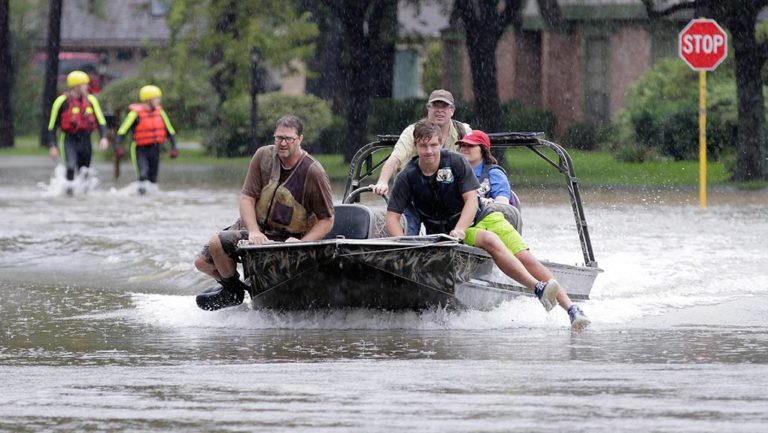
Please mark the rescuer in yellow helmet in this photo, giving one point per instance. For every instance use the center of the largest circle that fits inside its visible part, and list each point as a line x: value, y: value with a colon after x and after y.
x: 150, y: 127
x: 77, y: 113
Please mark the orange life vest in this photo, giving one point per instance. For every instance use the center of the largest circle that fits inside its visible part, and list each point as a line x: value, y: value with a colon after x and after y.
x: 150, y: 128
x: 78, y: 116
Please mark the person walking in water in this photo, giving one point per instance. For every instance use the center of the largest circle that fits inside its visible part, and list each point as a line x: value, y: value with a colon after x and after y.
x: 77, y: 113
x: 150, y: 127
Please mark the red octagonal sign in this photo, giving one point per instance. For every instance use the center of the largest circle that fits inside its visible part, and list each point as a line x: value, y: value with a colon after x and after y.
x: 703, y: 44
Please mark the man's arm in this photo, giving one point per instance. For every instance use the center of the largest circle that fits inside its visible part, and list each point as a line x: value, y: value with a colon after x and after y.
x: 401, y: 153
x: 319, y: 230
x: 468, y: 213
x: 389, y: 168
x: 394, y: 228
x: 248, y: 218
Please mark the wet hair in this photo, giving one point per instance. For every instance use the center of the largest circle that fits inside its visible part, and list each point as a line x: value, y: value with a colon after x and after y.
x: 488, y: 158
x: 424, y: 130
x: 291, y: 121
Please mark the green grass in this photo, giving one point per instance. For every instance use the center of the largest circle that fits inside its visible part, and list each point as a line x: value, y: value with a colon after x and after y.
x: 523, y: 167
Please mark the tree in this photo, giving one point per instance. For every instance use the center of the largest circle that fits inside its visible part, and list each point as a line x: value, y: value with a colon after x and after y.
x: 51, y: 67
x: 484, y: 24
x: 740, y: 18
x: 226, y: 33
x: 369, y: 29
x: 6, y: 77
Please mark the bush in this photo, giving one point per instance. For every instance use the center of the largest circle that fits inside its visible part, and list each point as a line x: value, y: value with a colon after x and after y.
x: 331, y: 139
x: 662, y: 112
x: 581, y: 136
x: 190, y: 106
x: 232, y: 135
x: 517, y: 117
x: 391, y: 116
x: 26, y: 100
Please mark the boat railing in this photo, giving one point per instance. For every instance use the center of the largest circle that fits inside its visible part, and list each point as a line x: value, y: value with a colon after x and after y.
x: 369, y: 158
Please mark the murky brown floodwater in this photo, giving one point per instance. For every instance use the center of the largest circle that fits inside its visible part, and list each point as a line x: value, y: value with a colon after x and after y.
x: 99, y: 330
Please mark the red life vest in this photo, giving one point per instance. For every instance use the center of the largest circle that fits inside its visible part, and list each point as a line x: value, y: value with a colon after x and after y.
x: 78, y: 116
x: 150, y: 128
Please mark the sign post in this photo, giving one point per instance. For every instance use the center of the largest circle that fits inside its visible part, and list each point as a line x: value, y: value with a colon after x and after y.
x: 703, y: 44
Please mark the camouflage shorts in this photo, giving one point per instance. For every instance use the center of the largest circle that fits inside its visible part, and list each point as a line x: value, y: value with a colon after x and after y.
x: 229, y: 237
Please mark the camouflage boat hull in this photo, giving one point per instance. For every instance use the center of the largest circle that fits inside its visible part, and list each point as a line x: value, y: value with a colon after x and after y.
x: 415, y: 273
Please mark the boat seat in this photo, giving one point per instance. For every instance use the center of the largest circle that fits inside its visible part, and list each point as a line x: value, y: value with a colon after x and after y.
x: 352, y: 221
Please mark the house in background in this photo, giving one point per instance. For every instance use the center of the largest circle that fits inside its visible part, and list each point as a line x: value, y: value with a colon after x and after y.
x: 581, y: 74
x: 119, y: 32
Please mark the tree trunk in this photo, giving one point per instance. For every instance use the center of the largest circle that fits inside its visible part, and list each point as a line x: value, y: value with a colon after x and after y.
x: 750, y: 163
x: 484, y: 24
x: 356, y: 79
x: 51, y: 67
x: 749, y: 58
x: 6, y: 77
x: 367, y: 35
x: 482, y: 60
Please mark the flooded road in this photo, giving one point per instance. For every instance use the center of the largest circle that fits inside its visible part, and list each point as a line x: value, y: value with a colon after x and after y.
x: 99, y: 330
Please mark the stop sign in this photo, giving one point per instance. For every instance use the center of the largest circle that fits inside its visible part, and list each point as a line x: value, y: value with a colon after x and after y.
x: 703, y: 44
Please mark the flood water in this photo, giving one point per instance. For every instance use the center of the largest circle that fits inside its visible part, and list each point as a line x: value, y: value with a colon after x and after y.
x: 99, y: 330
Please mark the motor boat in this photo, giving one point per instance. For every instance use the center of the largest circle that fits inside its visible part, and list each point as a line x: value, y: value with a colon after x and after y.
x: 358, y: 266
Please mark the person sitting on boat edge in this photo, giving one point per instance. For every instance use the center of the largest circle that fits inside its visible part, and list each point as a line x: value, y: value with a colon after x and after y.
x: 440, y: 109
x: 495, y: 191
x: 286, y: 196
x: 442, y: 188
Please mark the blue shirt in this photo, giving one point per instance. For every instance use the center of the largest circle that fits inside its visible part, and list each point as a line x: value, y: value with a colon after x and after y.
x: 496, y: 185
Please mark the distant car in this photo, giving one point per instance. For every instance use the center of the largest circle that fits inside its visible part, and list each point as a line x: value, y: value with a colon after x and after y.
x: 88, y: 62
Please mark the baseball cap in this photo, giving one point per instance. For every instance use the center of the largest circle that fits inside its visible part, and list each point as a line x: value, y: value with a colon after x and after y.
x: 477, y: 138
x: 441, y: 95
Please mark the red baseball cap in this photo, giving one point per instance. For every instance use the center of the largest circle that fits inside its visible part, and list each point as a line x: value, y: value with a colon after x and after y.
x: 477, y: 138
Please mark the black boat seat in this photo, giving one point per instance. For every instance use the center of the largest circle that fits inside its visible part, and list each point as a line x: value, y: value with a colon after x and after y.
x: 352, y: 221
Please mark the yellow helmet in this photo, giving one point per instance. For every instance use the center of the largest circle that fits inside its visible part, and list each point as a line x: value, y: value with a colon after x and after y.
x: 149, y: 92
x: 76, y: 78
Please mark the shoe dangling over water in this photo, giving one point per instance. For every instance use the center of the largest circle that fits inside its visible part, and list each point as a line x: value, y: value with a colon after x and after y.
x: 228, y: 293
x: 579, y: 320
x: 547, y: 293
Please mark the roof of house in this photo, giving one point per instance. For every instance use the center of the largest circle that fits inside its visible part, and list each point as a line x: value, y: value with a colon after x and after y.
x: 125, y: 23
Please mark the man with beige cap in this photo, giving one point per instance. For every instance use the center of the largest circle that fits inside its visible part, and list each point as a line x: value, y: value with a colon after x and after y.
x: 440, y: 109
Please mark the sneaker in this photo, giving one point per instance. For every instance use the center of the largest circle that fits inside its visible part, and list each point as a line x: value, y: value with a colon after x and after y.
x: 579, y: 320
x: 547, y: 293
x: 221, y: 296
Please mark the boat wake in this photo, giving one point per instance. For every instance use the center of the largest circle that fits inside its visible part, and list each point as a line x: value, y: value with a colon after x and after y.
x: 181, y: 312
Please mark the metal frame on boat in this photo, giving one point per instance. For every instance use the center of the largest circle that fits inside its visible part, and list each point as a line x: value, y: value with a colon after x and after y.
x: 358, y: 266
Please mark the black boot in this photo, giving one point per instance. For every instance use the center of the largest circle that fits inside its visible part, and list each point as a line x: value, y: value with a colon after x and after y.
x: 228, y: 293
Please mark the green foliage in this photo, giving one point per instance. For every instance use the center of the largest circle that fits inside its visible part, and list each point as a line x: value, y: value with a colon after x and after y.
x: 518, y: 117
x: 391, y: 116
x: 662, y: 112
x: 431, y: 78
x: 232, y: 136
x: 26, y: 94
x: 26, y: 100
x: 189, y: 107
x: 331, y: 139
x: 580, y: 135
x: 223, y: 33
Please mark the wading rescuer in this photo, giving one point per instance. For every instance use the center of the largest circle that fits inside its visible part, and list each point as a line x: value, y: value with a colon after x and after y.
x: 77, y: 113
x: 150, y: 128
